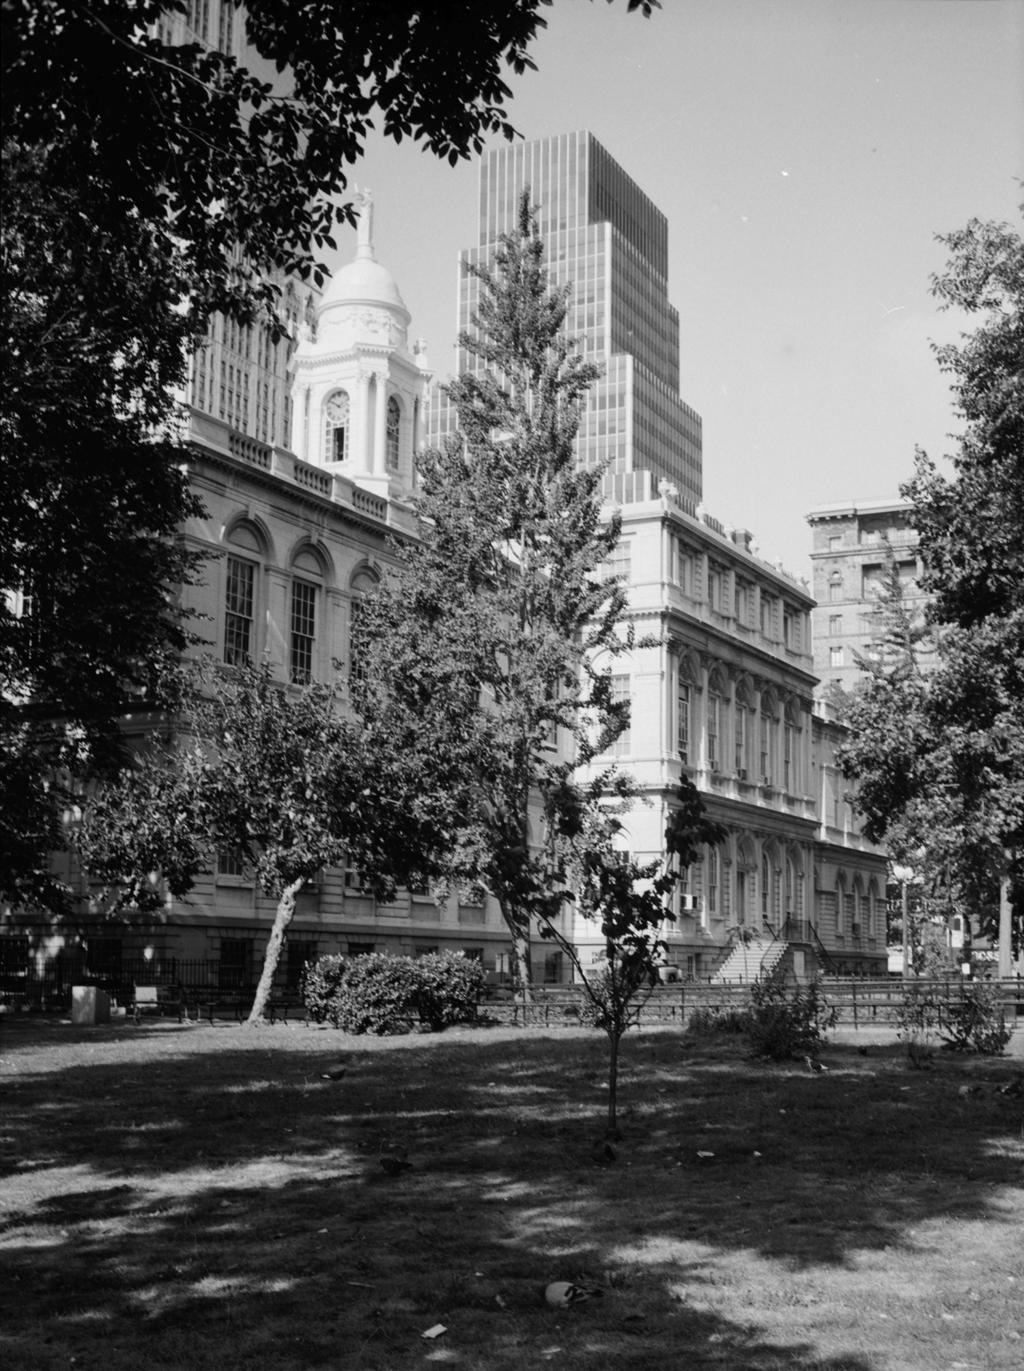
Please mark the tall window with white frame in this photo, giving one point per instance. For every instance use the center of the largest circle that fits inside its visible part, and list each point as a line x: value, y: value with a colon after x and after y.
x: 618, y: 563
x: 714, y: 879
x: 716, y: 581
x: 238, y: 611
x: 619, y: 695
x: 767, y: 740
x: 789, y: 753
x: 362, y: 584
x: 303, y: 632
x: 714, y: 732
x: 741, y: 734
x: 684, y: 701
x: 394, y: 422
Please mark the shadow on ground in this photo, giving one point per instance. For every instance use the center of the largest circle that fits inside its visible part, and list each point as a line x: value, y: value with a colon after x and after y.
x: 210, y: 1196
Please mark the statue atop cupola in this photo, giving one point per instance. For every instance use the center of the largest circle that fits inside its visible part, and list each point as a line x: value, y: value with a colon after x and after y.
x: 359, y: 393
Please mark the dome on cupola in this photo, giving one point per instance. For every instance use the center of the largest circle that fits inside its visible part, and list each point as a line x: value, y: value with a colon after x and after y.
x: 362, y: 303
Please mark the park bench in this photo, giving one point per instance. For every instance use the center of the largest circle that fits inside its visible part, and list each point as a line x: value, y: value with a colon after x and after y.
x: 158, y: 999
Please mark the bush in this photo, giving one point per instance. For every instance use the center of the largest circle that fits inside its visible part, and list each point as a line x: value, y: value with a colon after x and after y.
x: 377, y: 994
x: 381, y: 994
x: 449, y: 988
x: 970, y: 1019
x: 917, y: 1018
x: 783, y: 1023
x: 966, y: 1015
x: 321, y: 982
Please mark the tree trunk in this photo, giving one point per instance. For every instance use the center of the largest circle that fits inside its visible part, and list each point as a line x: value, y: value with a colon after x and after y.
x: 282, y: 918
x: 612, y: 1129
x: 522, y: 971
x: 521, y: 963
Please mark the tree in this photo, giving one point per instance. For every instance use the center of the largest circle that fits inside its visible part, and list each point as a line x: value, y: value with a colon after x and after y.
x: 235, y: 169
x: 277, y: 777
x: 939, y: 757
x: 629, y: 901
x: 91, y: 498
x: 121, y: 237
x: 478, y: 656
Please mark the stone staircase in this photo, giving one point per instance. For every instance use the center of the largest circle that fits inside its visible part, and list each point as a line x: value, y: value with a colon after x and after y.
x: 747, y: 961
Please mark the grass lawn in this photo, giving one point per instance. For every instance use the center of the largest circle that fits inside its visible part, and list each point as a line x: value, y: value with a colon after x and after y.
x: 199, y: 1197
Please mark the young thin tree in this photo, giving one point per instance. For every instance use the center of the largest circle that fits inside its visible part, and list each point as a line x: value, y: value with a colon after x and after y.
x: 630, y: 901
x: 278, y: 777
x: 478, y: 656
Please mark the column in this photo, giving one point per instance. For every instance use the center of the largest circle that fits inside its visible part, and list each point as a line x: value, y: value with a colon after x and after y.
x: 380, y: 426
x: 361, y: 428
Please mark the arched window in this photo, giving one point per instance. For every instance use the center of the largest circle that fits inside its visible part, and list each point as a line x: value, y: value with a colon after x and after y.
x: 308, y: 571
x: 714, y: 879
x: 845, y: 905
x: 336, y: 420
x: 857, y: 908
x: 791, y: 889
x: 393, y: 424
x: 767, y: 741
x: 790, y: 750
x: 715, y: 711
x: 363, y: 583
x: 741, y: 733
x: 240, y: 592
x: 684, y: 704
x: 745, y: 866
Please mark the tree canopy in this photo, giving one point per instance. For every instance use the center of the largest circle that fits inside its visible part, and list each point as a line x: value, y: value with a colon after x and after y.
x: 151, y: 177
x: 939, y: 755
x: 487, y: 655
x: 276, y: 777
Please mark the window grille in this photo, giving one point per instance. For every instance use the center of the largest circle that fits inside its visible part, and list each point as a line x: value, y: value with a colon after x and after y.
x: 238, y: 620
x: 683, y: 700
x: 303, y: 632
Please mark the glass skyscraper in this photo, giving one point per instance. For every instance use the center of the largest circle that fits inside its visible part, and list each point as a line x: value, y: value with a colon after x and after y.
x: 609, y: 241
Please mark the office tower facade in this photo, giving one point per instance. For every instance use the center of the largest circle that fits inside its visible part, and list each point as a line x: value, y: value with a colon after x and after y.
x: 608, y: 242
x: 721, y: 690
x: 853, y: 545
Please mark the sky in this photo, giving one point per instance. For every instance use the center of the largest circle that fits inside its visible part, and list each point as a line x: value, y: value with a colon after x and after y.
x: 805, y: 153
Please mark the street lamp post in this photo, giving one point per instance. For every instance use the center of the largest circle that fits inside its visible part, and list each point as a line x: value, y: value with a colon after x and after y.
x: 905, y: 874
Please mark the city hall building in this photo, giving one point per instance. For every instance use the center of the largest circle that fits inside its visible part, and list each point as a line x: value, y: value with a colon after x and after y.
x: 304, y: 457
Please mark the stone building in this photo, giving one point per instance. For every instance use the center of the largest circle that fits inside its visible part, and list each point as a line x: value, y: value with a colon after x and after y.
x: 294, y: 535
x: 727, y: 696
x: 852, y: 548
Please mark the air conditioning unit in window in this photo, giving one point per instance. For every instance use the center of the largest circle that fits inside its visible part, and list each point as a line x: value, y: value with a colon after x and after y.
x: 688, y: 903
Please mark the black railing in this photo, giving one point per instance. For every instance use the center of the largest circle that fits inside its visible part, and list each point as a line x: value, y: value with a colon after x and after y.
x: 49, y: 987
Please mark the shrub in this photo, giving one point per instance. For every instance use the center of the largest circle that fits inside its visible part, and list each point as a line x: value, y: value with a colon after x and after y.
x: 449, y: 988
x: 917, y: 1018
x: 966, y: 1015
x: 970, y: 1019
x: 381, y: 994
x: 783, y: 1023
x: 377, y: 994
x: 320, y: 985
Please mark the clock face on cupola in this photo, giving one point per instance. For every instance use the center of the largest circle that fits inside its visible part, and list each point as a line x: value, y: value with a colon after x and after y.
x: 359, y: 393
